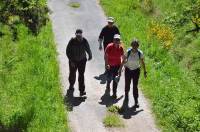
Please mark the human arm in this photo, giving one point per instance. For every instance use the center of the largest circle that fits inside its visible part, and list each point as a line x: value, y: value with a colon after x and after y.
x: 124, y: 60
x: 68, y: 52
x: 101, y: 37
x: 106, y: 54
x: 143, y: 66
x: 68, y: 49
x: 88, y: 50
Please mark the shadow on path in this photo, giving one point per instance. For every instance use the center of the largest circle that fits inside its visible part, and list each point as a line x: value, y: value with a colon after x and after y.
x: 108, y: 100
x: 71, y: 101
x: 127, y: 112
x: 102, y: 78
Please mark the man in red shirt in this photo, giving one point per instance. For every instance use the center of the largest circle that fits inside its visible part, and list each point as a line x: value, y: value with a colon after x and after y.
x: 113, y: 56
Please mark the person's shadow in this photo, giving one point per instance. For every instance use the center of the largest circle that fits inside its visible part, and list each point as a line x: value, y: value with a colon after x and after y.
x: 127, y: 112
x: 102, y: 78
x: 71, y: 101
x: 107, y: 100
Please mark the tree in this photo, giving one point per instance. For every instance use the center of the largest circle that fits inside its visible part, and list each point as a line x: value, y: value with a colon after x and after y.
x: 32, y: 13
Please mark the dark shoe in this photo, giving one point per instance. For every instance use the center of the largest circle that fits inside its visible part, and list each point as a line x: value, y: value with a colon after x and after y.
x: 71, y: 88
x: 136, y: 105
x: 114, y: 96
x: 82, y: 93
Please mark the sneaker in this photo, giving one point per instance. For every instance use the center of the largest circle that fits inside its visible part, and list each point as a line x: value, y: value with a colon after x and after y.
x: 82, y: 93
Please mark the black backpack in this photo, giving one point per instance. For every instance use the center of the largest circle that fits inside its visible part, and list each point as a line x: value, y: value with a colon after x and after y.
x: 129, y: 52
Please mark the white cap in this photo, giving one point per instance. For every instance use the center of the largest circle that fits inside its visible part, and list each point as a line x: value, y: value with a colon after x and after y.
x: 117, y: 36
x: 110, y: 19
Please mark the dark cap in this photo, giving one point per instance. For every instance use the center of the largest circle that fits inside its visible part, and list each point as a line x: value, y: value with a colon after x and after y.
x: 135, y: 42
x: 79, y: 31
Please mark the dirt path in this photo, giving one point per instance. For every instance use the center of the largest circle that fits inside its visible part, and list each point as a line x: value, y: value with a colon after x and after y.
x: 86, y: 115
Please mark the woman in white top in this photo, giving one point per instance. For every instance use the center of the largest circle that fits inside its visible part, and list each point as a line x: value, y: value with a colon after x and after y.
x: 132, y: 60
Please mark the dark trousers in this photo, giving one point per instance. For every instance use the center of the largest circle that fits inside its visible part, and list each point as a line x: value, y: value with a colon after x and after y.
x: 80, y: 65
x: 111, y: 74
x: 132, y: 75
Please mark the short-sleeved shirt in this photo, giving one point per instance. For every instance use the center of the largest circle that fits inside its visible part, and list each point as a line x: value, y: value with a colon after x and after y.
x: 114, y: 54
x: 133, y: 61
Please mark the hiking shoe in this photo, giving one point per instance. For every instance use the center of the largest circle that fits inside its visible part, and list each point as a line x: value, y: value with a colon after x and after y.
x: 136, y: 105
x: 71, y: 88
x: 82, y: 93
x: 114, y: 96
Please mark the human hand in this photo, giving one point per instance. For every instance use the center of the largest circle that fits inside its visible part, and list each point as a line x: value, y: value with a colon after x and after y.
x: 100, y: 48
x: 90, y: 58
x: 100, y: 44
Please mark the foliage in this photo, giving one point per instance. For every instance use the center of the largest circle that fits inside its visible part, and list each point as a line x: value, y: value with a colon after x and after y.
x: 114, y: 109
x: 32, y: 13
x: 112, y: 120
x: 30, y: 93
x: 190, y: 13
x: 162, y: 33
x: 170, y: 86
x: 147, y: 6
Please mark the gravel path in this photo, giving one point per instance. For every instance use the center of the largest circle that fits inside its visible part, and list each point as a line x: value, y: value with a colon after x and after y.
x: 86, y: 114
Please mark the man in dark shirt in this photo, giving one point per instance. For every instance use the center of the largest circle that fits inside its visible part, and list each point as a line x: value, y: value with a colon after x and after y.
x: 76, y: 53
x: 107, y: 33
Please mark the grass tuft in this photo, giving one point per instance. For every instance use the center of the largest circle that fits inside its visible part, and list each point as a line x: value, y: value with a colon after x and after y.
x: 74, y: 4
x: 113, y: 109
x: 113, y: 120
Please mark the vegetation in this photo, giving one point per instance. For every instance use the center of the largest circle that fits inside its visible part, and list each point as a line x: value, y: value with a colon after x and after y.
x: 114, y: 109
x: 32, y: 13
x: 30, y: 93
x: 74, y: 4
x: 171, y: 47
x: 112, y: 118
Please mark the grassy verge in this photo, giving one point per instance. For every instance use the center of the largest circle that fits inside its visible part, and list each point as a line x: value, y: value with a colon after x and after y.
x: 30, y: 92
x: 174, y: 94
x: 112, y: 118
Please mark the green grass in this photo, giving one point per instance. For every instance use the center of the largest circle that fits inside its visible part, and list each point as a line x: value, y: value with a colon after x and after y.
x: 31, y: 98
x: 113, y: 109
x: 113, y: 120
x: 172, y: 89
x: 74, y: 4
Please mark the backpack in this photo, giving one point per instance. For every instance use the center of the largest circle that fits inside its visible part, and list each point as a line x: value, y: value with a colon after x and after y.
x: 129, y: 52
